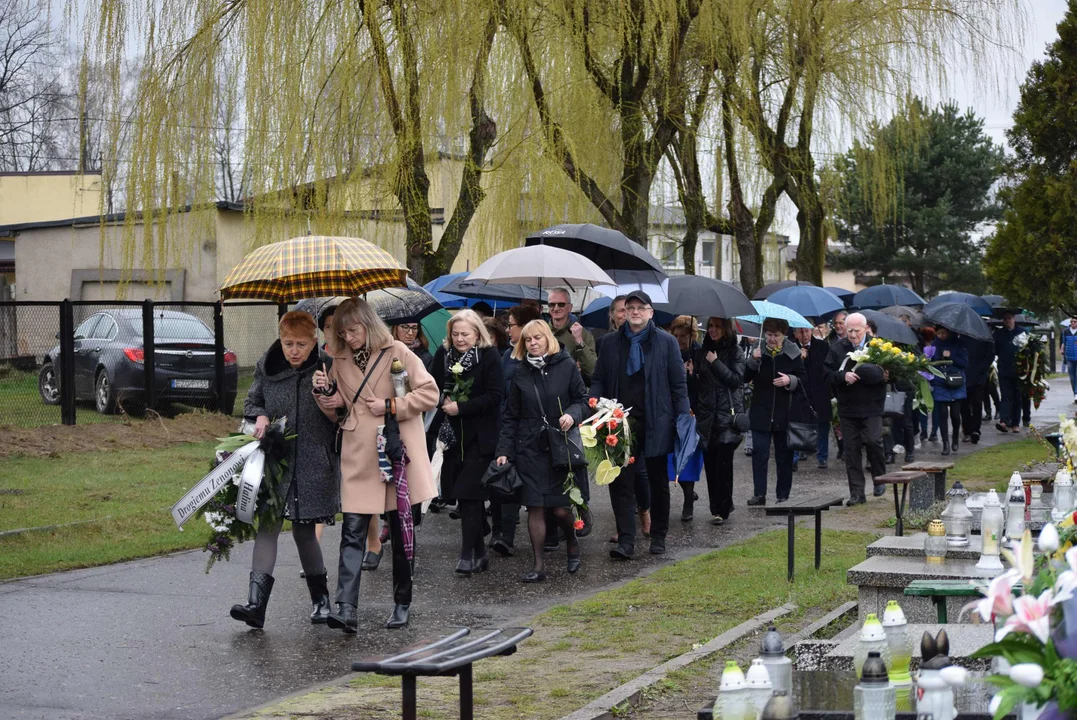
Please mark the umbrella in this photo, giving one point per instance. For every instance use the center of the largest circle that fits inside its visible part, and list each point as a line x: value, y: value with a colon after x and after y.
x: 748, y: 329
x: 995, y: 301
x: 447, y: 300
x: 496, y: 294
x: 597, y: 314
x: 314, y: 306
x: 767, y: 290
x: 977, y: 303
x: 959, y: 318
x: 687, y: 442
x: 890, y: 328
x: 609, y: 249
x: 404, y: 304
x: 313, y: 266
x: 700, y: 297
x: 434, y: 327
x: 846, y: 296
x: 541, y: 265
x: 808, y: 300
x: 916, y: 318
x: 881, y: 296
x: 652, y: 282
x: 764, y: 310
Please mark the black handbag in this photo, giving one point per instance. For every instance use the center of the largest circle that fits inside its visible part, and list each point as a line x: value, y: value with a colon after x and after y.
x: 733, y: 434
x: 952, y: 380
x: 338, y: 441
x: 894, y: 405
x: 566, y: 446
x: 801, y: 436
x: 501, y: 481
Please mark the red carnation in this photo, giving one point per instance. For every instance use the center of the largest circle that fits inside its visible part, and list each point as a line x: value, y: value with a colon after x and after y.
x: 611, y: 440
x: 612, y: 425
x: 618, y: 413
x: 578, y: 524
x: 592, y: 402
x: 631, y: 459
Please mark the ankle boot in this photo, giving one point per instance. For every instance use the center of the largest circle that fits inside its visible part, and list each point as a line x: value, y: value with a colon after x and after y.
x: 945, y: 445
x: 953, y: 444
x: 254, y: 612
x: 344, y: 619
x: 319, y: 597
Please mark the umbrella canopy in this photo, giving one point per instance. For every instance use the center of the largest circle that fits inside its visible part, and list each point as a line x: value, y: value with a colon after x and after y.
x: 767, y: 290
x: 313, y: 266
x: 447, y: 300
x: 408, y: 304
x: 315, y: 306
x: 496, y: 294
x: 434, y: 328
x: 597, y: 314
x: 812, y: 302
x: 977, y: 303
x: 748, y: 329
x: 916, y: 318
x: 609, y: 249
x: 880, y: 296
x: 999, y: 305
x: 701, y: 297
x: 541, y: 265
x: 764, y: 310
x: 890, y: 328
x: 652, y: 282
x: 846, y: 296
x: 959, y: 318
x: 687, y: 442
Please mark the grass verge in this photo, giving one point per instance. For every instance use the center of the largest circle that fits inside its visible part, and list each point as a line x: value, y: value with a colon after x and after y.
x: 582, y: 650
x: 119, y: 501
x: 991, y: 467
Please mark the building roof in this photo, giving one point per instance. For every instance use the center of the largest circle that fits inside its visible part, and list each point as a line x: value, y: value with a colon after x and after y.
x: 15, y: 229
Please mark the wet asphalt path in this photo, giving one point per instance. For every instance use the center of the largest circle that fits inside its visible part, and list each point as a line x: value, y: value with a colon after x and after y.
x: 152, y: 638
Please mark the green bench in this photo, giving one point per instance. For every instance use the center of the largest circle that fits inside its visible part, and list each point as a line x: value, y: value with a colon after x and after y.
x: 939, y: 590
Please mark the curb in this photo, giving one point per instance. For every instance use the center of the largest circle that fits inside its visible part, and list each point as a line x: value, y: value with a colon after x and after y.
x: 631, y: 691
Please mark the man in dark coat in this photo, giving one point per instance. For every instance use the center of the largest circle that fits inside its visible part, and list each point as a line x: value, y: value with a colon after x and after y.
x: 981, y: 355
x: 814, y: 351
x: 641, y: 366
x: 1008, y: 383
x: 861, y: 392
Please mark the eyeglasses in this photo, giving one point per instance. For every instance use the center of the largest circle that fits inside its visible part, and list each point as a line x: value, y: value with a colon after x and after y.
x: 409, y: 328
x: 353, y: 331
x: 512, y: 324
x: 558, y: 304
x: 637, y: 308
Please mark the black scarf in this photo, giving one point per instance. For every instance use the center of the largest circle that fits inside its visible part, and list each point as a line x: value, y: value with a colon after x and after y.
x: 467, y: 361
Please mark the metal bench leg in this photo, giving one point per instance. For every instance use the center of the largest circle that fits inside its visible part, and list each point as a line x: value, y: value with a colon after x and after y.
x: 940, y: 605
x: 467, y: 700
x: 897, y: 512
x: 818, y: 535
x: 790, y: 550
x: 408, y: 712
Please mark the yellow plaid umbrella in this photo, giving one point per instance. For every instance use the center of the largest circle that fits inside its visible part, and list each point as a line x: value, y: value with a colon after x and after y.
x: 313, y: 266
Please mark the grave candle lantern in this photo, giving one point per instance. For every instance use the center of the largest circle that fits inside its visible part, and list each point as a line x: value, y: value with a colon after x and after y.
x: 957, y: 517
x: 872, y: 639
x: 897, y: 638
x: 935, y: 543
x: 1063, y: 496
x: 991, y: 525
x: 874, y: 697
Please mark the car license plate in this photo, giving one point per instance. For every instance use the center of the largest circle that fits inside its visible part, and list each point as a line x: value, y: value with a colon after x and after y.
x: 190, y: 384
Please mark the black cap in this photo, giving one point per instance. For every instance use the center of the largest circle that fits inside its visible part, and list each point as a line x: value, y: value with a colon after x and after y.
x: 639, y: 295
x: 874, y: 670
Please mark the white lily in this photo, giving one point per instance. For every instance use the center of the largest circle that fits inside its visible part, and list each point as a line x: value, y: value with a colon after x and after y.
x: 1065, y: 586
x: 1024, y: 561
x: 998, y: 597
x: 1031, y: 615
x: 1071, y: 558
x: 1029, y: 675
x: 1048, y: 541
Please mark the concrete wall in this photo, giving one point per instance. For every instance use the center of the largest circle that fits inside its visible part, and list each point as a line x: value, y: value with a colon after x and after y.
x: 36, y: 197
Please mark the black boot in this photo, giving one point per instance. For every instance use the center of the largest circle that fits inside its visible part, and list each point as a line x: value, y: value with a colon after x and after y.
x: 349, y: 571
x: 254, y: 612
x: 954, y: 443
x: 945, y: 445
x: 319, y: 597
x: 401, y: 576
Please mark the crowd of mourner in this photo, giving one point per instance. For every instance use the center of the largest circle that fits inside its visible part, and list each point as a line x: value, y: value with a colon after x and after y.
x: 529, y: 376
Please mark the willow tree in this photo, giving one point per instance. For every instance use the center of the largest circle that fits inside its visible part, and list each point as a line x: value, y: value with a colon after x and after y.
x: 343, y: 105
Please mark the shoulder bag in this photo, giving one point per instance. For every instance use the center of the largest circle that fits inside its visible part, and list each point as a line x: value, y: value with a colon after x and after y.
x: 502, y: 481
x: 566, y: 446
x: 733, y: 434
x: 338, y: 442
x: 802, y: 436
x: 953, y: 380
x: 894, y: 405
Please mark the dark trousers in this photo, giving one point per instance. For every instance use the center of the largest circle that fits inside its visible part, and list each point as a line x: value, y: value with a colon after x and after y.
x: 867, y: 434
x: 783, y: 459
x: 623, y: 499
x: 949, y: 411
x: 353, y: 549
x: 1071, y: 368
x: 1011, y: 401
x: 971, y: 407
x: 991, y: 393
x: 718, y: 466
x: 822, y: 447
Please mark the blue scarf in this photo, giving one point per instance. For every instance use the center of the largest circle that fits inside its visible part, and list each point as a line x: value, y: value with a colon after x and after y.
x: 635, y: 351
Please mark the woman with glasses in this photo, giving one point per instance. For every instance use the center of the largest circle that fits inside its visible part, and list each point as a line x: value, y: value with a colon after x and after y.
x: 411, y: 334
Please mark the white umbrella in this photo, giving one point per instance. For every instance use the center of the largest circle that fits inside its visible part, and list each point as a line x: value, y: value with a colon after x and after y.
x: 543, y: 266
x: 652, y: 282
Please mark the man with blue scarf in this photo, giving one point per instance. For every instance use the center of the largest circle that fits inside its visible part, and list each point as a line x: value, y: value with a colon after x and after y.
x: 641, y: 367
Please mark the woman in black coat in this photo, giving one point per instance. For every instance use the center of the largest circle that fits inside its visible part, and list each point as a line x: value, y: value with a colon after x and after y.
x: 549, y: 373
x: 776, y: 372
x: 814, y: 350
x: 468, y: 428
x: 718, y: 369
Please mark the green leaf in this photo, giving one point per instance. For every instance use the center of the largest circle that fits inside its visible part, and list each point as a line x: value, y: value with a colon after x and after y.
x: 575, y: 496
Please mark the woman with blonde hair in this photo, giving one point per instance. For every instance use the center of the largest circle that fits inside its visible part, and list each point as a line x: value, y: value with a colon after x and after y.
x: 363, y: 350
x: 467, y: 370
x: 547, y: 395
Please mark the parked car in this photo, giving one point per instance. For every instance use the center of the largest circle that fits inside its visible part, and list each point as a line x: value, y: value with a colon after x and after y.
x: 109, y: 364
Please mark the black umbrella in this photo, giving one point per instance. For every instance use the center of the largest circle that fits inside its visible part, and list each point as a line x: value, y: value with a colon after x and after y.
x: 609, y: 249
x: 890, y: 328
x: 705, y: 297
x: 495, y: 292
x: 959, y: 318
x: 916, y: 318
x: 977, y: 303
x: 846, y: 296
x: 767, y: 290
x: 881, y: 296
x: 403, y: 305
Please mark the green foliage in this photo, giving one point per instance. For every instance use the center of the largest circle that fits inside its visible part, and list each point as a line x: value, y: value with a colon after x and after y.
x: 912, y: 196
x: 1032, y: 258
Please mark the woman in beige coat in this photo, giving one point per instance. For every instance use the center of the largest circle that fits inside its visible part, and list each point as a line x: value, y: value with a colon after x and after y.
x: 363, y: 350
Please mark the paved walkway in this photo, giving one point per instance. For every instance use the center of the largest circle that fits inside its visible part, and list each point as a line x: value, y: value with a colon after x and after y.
x: 152, y: 638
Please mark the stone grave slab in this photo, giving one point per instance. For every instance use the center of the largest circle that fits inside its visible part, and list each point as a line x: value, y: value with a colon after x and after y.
x: 882, y: 578
x: 913, y: 546
x: 965, y: 639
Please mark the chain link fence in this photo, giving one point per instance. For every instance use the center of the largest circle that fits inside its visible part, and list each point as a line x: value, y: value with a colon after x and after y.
x: 127, y: 357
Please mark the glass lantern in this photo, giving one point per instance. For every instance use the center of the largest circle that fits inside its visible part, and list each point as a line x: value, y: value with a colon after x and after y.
x: 957, y: 517
x: 1015, y: 516
x: 759, y: 686
x: 1064, y: 496
x: 897, y: 638
x: 872, y: 639
x: 780, y: 667
x: 991, y: 526
x: 734, y: 700
x: 874, y: 697
x: 936, y: 543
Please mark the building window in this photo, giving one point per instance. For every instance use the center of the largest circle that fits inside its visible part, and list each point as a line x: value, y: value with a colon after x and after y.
x: 708, y: 253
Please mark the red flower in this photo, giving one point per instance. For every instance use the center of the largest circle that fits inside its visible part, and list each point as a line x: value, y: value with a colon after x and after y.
x: 631, y: 459
x: 592, y: 402
x: 611, y: 440
x: 612, y: 425
x: 618, y: 413
x: 578, y: 524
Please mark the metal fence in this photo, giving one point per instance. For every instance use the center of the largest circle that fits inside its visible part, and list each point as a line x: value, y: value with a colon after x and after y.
x: 126, y: 357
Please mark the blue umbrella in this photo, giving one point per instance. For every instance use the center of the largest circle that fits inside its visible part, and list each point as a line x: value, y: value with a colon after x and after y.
x: 809, y: 301
x: 881, y: 296
x: 447, y: 300
x: 597, y: 315
x: 846, y: 296
x: 687, y: 442
x: 977, y: 303
x: 765, y: 309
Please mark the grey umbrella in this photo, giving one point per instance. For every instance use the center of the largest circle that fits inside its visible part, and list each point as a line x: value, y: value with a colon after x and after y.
x: 890, y: 328
x: 541, y: 265
x: 916, y: 318
x: 609, y: 249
